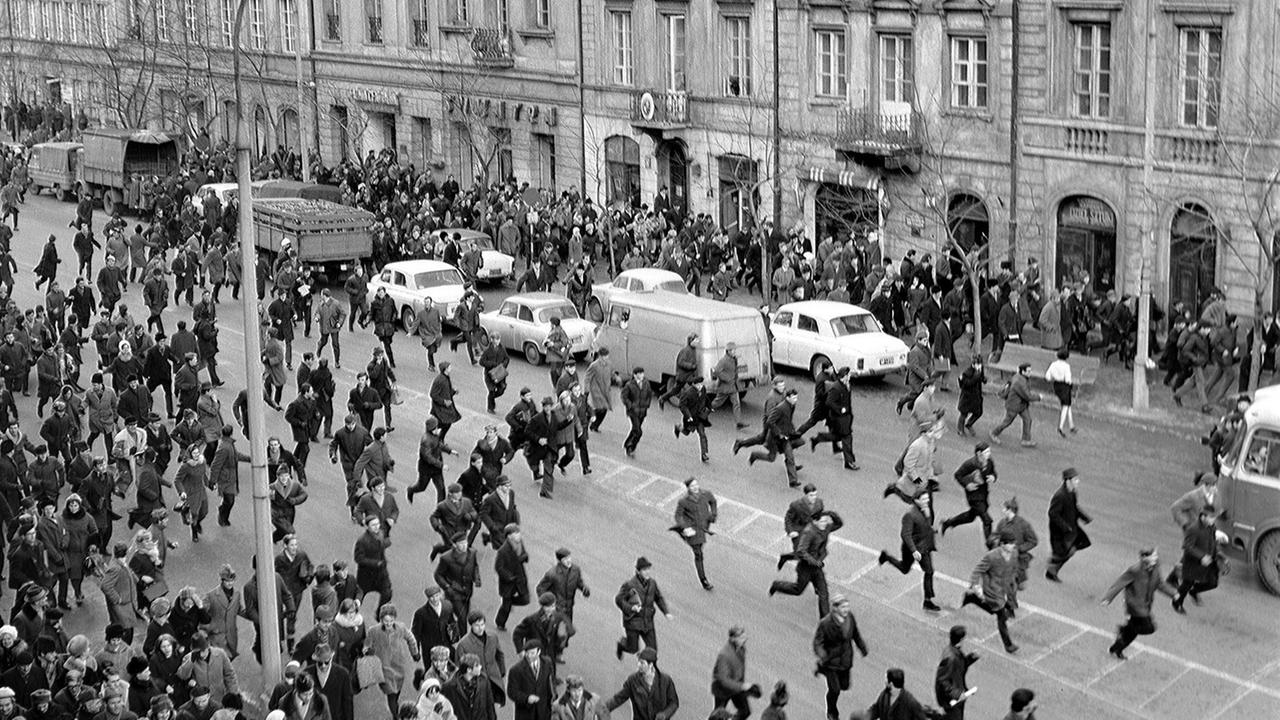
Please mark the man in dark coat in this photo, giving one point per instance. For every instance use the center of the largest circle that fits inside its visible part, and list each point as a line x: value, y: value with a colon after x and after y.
x: 639, y: 599
x: 1065, y: 517
x: 686, y: 369
x: 650, y: 691
x: 513, y: 578
x: 1201, y: 558
x: 469, y: 692
x: 636, y: 397
x: 370, y: 555
x: 839, y: 417
x: 729, y: 676
x: 949, y: 685
x: 459, y: 576
x: 895, y: 702
x: 694, y: 516
x: 434, y: 622
x: 1139, y: 583
x: 564, y: 581
x: 975, y: 475
x: 695, y: 408
x: 546, y: 625
x: 531, y: 683
x: 334, y: 682
x: 811, y: 556
x: 833, y: 643
x: 918, y: 545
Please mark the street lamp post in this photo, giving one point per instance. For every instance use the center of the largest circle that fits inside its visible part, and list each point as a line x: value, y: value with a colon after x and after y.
x: 299, y: 35
x: 264, y: 548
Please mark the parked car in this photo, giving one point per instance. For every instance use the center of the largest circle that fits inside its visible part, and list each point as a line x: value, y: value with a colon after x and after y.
x: 53, y: 166
x: 410, y: 282
x: 495, y: 265
x: 808, y: 332
x: 523, y: 322
x: 629, y: 281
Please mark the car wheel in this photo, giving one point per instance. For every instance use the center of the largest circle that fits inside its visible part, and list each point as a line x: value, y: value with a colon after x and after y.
x: 61, y: 193
x: 532, y: 354
x: 815, y: 365
x: 482, y: 340
x: 407, y: 320
x: 1268, y: 561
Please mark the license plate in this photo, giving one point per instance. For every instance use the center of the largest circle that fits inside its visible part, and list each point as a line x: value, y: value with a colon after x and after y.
x: 886, y: 361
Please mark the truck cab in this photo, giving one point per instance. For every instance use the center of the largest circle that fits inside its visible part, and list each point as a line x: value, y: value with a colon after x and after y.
x: 1250, y: 488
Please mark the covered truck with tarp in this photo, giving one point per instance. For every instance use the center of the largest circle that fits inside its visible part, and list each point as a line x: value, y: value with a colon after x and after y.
x: 116, y: 160
x: 327, y: 237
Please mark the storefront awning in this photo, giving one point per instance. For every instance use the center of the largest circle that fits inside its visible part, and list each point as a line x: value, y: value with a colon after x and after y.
x: 860, y: 178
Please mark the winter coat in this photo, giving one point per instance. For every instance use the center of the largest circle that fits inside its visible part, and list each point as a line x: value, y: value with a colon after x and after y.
x: 1051, y: 326
x: 833, y: 643
x: 224, y: 471
x: 1139, y: 584
x: 996, y: 579
x: 442, y: 400
x: 1065, y: 516
x: 382, y: 312
x: 398, y: 651
x: 82, y: 531
x: 513, y: 578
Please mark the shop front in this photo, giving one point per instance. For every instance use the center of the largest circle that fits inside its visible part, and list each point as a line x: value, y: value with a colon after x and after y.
x: 1086, y: 243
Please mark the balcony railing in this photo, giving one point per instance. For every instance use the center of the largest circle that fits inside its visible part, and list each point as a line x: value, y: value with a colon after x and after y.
x: 332, y: 26
x: 375, y: 29
x: 659, y: 109
x: 492, y: 46
x: 421, y: 33
x: 875, y: 132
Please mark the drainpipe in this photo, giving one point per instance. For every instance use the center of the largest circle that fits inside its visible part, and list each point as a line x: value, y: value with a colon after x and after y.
x: 1013, y: 134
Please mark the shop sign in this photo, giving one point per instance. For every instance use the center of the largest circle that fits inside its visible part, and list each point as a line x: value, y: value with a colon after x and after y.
x: 375, y: 96
x: 1086, y: 212
x: 501, y: 111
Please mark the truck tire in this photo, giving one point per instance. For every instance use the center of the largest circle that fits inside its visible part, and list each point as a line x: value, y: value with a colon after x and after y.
x: 61, y: 193
x: 109, y: 202
x: 1268, y: 561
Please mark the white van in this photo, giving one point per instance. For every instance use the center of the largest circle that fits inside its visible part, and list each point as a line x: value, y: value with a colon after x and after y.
x: 648, y: 329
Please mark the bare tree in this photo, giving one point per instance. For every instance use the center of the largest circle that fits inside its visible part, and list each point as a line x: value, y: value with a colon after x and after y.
x: 119, y: 54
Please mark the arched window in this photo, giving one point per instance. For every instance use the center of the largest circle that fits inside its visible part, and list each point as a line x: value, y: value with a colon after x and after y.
x: 1086, y: 243
x: 260, y: 130
x: 970, y: 227
x: 289, y: 130
x: 1193, y: 255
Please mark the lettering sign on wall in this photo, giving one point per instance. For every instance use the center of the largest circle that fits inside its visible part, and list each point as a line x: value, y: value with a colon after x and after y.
x: 501, y: 112
x: 1088, y: 213
x: 374, y: 95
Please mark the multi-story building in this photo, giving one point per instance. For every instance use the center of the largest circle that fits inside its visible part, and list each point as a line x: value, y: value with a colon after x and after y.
x: 468, y: 87
x: 898, y: 117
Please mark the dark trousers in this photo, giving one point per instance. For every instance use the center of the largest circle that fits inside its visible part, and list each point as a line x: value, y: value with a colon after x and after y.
x: 741, y: 705
x: 1002, y: 615
x: 697, y: 563
x: 842, y: 444
x: 224, y: 509
x: 904, y: 567
x: 580, y: 441
x: 976, y: 511
x: 805, y: 575
x: 966, y: 420
x: 637, y: 431
x: 837, y: 682
x: 597, y: 417
x: 421, y: 486
x: 325, y: 338
x: 504, y: 612
x: 1130, y: 631
x: 1009, y: 417
x: 167, y: 384
x: 630, y: 643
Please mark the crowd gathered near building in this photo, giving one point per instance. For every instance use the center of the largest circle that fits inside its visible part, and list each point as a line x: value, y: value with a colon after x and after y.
x: 127, y: 416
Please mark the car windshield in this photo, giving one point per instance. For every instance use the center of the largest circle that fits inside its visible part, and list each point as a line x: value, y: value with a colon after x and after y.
x: 854, y: 325
x: 563, y: 312
x: 437, y: 278
x: 675, y: 286
x: 483, y: 242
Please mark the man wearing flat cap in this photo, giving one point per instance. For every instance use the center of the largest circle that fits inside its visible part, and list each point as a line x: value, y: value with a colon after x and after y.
x: 1140, y: 584
x: 650, y: 691
x: 639, y: 599
x: 459, y: 575
x: 546, y: 625
x: 564, y: 581
x: 1017, y: 404
x: 531, y: 683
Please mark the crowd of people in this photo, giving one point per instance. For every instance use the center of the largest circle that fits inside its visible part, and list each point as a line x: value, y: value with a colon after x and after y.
x: 168, y: 654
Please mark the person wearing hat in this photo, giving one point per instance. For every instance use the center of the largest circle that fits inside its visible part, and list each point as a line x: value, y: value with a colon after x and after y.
x: 543, y: 452
x: 513, y: 578
x: 639, y: 599
x: 727, y: 383
x: 345, y: 448
x: 1024, y: 535
x: 919, y: 368
x: 531, y: 683
x: 782, y: 437
x: 9, y: 707
x: 686, y: 369
x: 431, y: 466
x: 1065, y: 518
x: 975, y: 475
x: 329, y: 316
x: 600, y: 380
x: 101, y: 404
x: 208, y: 666
x: 564, y: 581
x: 695, y: 408
x: 140, y: 688
x: 453, y: 515
x: 651, y: 692
x: 811, y: 555
x: 993, y: 586
x: 547, y: 626
x: 160, y: 440
x: 694, y: 515
x: 1022, y: 705
x: 728, y: 677
x: 1202, y: 558
x: 334, y: 683
x: 1140, y: 584
x: 380, y: 502
x: 488, y: 649
x: 364, y: 400
x: 838, y: 401
x: 568, y: 378
x: 224, y: 473
x: 1186, y: 509
x: 1018, y: 397
x: 636, y: 397
x: 429, y: 327
x: 209, y: 414
x: 494, y: 452
x: 382, y: 379
x: 924, y: 411
x: 918, y: 545
x: 556, y: 349
x: 470, y: 692
x: 225, y: 604
x: 374, y: 461
x: 494, y: 361
x: 370, y: 555
x: 458, y: 574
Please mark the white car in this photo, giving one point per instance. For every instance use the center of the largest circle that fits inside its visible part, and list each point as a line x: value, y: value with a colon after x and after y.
x: 523, y: 322
x: 224, y: 191
x: 495, y: 265
x: 633, y: 280
x: 410, y: 282
x: 808, y: 332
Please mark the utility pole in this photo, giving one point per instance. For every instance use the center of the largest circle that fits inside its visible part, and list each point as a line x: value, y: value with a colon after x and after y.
x: 1141, y: 399
x: 1014, y: 89
x: 766, y: 283
x: 264, y: 548
x: 301, y: 102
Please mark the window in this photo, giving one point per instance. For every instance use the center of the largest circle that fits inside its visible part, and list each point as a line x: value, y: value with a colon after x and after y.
x: 421, y: 29
x: 373, y: 13
x: 969, y: 73
x: 46, y: 21
x: 508, y: 309
x: 288, y: 25
x: 545, y: 149
x: 257, y: 25
x: 737, y: 82
x: 897, y: 73
x: 332, y: 21
x: 540, y: 12
x: 1201, y: 69
x: 1263, y: 457
x: 620, y: 22
x: 783, y: 319
x: 191, y: 18
x: 504, y: 15
x: 459, y: 14
x: 162, y: 20
x: 421, y: 139
x: 831, y: 63
x: 804, y: 323
x: 525, y: 314
x: 674, y: 50
x: 228, y: 22
x: 1092, y: 76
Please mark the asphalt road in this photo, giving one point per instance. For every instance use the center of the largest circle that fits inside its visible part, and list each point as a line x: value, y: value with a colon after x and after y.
x: 1221, y: 660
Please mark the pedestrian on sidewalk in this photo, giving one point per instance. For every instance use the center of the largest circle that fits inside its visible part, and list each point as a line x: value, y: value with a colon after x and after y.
x: 1201, y: 559
x: 811, y: 557
x: 1065, y: 518
x: 694, y: 515
x: 993, y: 586
x: 639, y: 599
x: 918, y: 544
x: 1139, y: 583
x: 969, y: 404
x: 1059, y: 374
x: 950, y: 686
x: 1017, y: 404
x: 833, y: 644
x: 975, y: 475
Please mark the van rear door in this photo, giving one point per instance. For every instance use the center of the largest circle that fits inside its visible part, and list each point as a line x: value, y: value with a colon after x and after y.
x: 749, y: 334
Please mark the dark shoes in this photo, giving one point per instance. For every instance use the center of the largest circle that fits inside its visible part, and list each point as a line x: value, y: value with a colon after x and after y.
x: 931, y: 606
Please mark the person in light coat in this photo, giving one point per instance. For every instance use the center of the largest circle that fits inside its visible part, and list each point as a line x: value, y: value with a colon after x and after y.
x: 993, y: 587
x: 225, y: 605
x: 392, y: 643
x: 600, y: 382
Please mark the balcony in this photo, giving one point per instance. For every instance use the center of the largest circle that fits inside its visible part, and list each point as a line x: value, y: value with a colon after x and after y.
x: 332, y: 26
x: 885, y: 133
x: 492, y: 47
x: 375, y: 29
x: 660, y: 111
x: 421, y: 33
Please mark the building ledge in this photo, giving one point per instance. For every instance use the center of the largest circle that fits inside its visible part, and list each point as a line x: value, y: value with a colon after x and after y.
x: 537, y: 34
